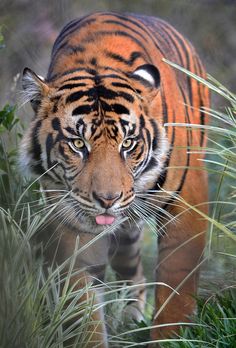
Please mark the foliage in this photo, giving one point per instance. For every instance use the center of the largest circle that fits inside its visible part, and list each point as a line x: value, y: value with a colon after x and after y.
x: 11, y: 182
x: 7, y: 118
x: 214, y: 325
x: 1, y: 39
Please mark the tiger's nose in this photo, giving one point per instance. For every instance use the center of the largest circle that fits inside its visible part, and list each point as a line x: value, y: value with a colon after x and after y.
x: 106, y: 200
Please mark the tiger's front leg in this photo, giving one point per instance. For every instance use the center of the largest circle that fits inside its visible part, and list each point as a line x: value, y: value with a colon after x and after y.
x: 125, y: 259
x: 180, y: 255
x: 88, y: 268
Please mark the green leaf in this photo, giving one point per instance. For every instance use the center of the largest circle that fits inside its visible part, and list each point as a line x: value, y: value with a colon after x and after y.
x: 1, y: 39
x: 7, y: 118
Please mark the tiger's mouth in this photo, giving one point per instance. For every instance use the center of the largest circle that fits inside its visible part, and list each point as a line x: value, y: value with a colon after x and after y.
x: 85, y: 214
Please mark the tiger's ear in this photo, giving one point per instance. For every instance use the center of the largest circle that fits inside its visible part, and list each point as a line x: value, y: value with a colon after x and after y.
x: 34, y: 88
x: 148, y: 74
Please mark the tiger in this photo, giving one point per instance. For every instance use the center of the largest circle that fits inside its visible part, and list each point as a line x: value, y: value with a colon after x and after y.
x: 107, y: 132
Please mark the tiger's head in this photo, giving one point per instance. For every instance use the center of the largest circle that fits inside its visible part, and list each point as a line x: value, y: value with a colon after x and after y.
x: 97, y: 135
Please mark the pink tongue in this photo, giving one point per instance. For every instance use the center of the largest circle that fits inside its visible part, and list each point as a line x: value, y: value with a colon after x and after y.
x: 104, y: 219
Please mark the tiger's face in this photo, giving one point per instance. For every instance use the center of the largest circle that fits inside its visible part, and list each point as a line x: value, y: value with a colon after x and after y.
x: 95, y: 136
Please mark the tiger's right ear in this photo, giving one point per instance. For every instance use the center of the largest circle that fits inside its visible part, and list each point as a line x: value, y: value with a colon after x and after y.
x: 148, y: 74
x: 34, y: 88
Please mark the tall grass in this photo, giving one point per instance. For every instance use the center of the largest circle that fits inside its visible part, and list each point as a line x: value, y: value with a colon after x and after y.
x: 216, y: 316
x: 36, y: 308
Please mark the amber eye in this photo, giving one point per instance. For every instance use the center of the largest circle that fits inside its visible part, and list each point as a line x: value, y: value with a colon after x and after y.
x: 77, y: 144
x: 127, y: 143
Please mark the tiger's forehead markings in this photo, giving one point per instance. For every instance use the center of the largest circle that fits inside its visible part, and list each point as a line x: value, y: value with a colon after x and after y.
x: 95, y: 124
x: 101, y: 104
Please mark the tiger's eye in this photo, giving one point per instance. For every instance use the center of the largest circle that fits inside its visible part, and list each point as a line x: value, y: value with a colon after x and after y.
x: 78, y: 143
x: 127, y: 143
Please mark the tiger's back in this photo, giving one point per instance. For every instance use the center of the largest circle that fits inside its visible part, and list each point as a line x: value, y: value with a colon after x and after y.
x: 101, y: 133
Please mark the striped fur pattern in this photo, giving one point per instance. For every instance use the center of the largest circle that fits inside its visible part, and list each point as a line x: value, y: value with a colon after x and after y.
x: 99, y: 135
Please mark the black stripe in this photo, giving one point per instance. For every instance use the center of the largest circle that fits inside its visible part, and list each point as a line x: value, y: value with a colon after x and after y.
x: 142, y: 123
x: 163, y: 176
x: 179, y: 189
x: 140, y: 153
x: 111, y: 94
x: 36, y: 150
x: 123, y: 85
x: 69, y: 29
x: 149, y: 142
x: 126, y: 271
x: 92, y: 38
x: 121, y: 59
x: 109, y: 21
x: 70, y: 25
x: 36, y: 147
x: 128, y: 240
x: 55, y: 100
x: 183, y: 46
x: 71, y: 130
x: 82, y: 109
x: 115, y: 251
x: 126, y: 19
x: 127, y: 198
x: 68, y: 50
x: 72, y: 176
x: 202, y: 114
x: 187, y: 119
x: 155, y: 134
x: 76, y: 96
x: 146, y: 160
x: 127, y: 204
x: 171, y: 43
x: 114, y: 76
x: 164, y: 108
x: 81, y: 130
x: 67, y: 72
x: 38, y: 169
x: 181, y: 184
x: 123, y: 124
x: 76, y: 78
x: 93, y: 61
x: 49, y: 145
x: 105, y: 107
x: 62, y: 152
x: 50, y: 164
x: 71, y: 85
x: 56, y: 124
x: 98, y: 135
x: 140, y: 22
x: 97, y: 269
x: 150, y: 165
x: 145, y: 23
x: 119, y: 109
x: 202, y: 120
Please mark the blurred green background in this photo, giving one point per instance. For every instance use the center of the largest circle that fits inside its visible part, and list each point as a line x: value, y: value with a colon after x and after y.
x: 30, y: 28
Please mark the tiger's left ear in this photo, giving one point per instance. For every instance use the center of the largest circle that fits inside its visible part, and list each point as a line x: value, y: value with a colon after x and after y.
x: 34, y: 88
x: 148, y: 74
